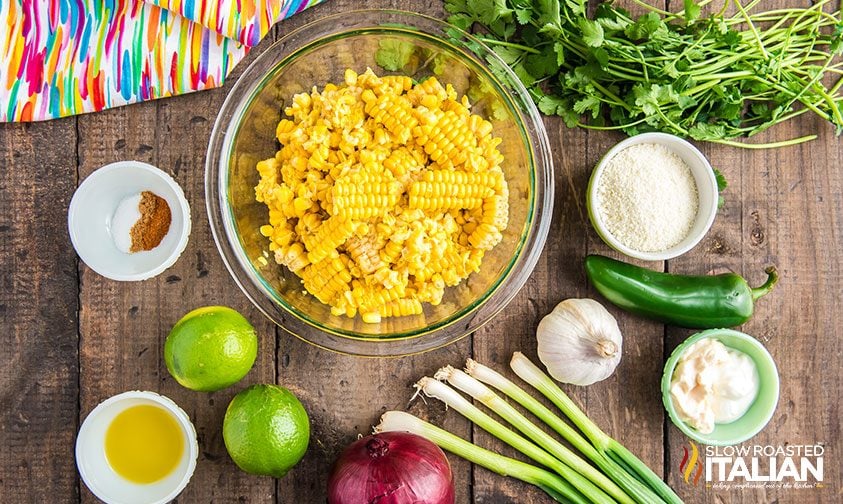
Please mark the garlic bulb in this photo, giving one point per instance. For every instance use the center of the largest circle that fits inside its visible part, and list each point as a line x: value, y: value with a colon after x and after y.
x: 579, y: 342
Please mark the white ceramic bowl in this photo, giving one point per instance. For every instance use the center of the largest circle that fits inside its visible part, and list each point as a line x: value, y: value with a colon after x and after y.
x: 706, y: 187
x: 93, y: 205
x: 98, y: 475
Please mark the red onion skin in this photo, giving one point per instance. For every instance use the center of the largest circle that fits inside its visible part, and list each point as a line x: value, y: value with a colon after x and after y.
x: 391, y: 468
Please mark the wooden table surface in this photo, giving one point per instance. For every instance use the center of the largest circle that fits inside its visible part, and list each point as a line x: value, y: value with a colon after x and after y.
x: 71, y: 338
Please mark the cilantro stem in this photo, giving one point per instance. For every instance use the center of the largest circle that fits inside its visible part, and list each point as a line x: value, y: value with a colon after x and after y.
x: 612, y: 128
x: 615, y: 99
x: 836, y: 87
x: 781, y: 118
x: 716, y: 76
x: 503, y: 43
x: 725, y: 75
x: 771, y: 145
x: 654, y: 9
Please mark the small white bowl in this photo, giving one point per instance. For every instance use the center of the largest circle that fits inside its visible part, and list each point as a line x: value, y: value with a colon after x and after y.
x: 706, y: 187
x: 98, y: 475
x: 93, y: 205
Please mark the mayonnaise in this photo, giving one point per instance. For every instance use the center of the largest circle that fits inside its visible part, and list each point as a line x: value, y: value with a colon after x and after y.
x: 712, y: 384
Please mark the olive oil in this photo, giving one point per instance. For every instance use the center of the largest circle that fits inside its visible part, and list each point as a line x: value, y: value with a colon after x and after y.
x: 144, y: 443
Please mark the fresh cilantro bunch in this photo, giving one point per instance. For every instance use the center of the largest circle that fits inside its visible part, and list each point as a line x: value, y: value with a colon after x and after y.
x: 713, y: 78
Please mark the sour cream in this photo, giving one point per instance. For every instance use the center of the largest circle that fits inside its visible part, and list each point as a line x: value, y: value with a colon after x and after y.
x: 713, y: 384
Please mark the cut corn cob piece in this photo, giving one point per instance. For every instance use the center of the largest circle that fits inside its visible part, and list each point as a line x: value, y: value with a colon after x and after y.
x: 453, y: 190
x: 401, y: 307
x: 365, y: 252
x: 327, y: 278
x: 292, y: 256
x: 364, y: 194
x: 328, y: 237
x: 394, y: 112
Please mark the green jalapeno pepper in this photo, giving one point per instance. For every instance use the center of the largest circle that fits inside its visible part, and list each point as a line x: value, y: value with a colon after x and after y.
x: 698, y: 302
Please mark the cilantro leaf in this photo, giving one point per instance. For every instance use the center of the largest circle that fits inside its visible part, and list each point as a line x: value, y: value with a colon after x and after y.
x: 553, y: 105
x: 541, y: 65
x: 601, y: 57
x: 613, y: 25
x: 577, y: 7
x: 836, y: 45
x: 592, y: 32
x: 731, y: 38
x: 393, y: 54
x: 549, y: 17
x: 523, y: 16
x: 686, y: 102
x: 559, y: 50
x: 692, y: 11
x: 548, y: 104
x: 523, y: 75
x: 722, y: 184
x: 588, y: 104
x: 502, y: 28
x: 670, y: 69
x: 652, y: 97
x: 705, y: 131
x: 489, y: 11
x: 509, y: 55
x: 646, y: 27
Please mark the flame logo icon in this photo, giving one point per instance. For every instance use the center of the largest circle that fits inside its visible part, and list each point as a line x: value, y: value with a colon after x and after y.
x: 690, y: 461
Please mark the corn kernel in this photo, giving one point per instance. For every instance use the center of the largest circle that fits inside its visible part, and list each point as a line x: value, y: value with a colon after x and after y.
x: 382, y: 194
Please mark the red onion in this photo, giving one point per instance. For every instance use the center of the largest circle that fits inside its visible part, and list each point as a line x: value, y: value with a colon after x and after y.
x: 391, y: 468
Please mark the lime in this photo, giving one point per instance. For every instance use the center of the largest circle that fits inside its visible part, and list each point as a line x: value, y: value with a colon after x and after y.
x: 210, y: 348
x: 266, y: 430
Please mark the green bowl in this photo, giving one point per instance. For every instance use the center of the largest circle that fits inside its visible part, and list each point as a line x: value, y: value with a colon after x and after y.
x: 762, y: 408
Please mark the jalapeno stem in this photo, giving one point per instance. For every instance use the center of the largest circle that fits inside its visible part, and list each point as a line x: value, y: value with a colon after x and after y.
x: 772, y: 278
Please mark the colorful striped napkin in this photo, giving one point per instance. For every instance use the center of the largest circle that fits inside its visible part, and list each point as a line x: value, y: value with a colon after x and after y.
x: 66, y: 57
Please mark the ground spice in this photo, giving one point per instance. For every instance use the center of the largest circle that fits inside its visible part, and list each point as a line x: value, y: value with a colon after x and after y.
x: 153, y: 224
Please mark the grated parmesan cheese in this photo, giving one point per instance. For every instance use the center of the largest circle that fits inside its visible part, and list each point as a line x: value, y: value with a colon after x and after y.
x: 647, y: 197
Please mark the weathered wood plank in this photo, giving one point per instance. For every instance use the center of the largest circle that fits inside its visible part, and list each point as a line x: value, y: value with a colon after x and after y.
x: 344, y: 395
x: 783, y: 207
x: 38, y: 302
x: 123, y: 325
x: 633, y: 414
x: 555, y: 277
x: 612, y: 404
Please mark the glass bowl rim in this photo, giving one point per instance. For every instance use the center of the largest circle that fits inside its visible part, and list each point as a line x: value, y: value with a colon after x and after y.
x: 231, y: 117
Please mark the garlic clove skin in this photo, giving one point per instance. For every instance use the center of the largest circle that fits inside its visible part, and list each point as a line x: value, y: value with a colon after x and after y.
x: 579, y: 342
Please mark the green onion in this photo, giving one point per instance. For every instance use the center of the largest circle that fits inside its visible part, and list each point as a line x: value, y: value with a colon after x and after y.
x: 559, y: 489
x: 452, y: 399
x: 530, y: 373
x: 633, y: 487
x: 502, y: 408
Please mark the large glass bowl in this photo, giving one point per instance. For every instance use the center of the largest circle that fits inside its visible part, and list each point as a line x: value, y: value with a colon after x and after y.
x: 319, y: 53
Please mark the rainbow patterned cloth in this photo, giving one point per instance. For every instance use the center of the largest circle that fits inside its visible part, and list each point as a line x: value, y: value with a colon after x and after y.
x: 66, y: 57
